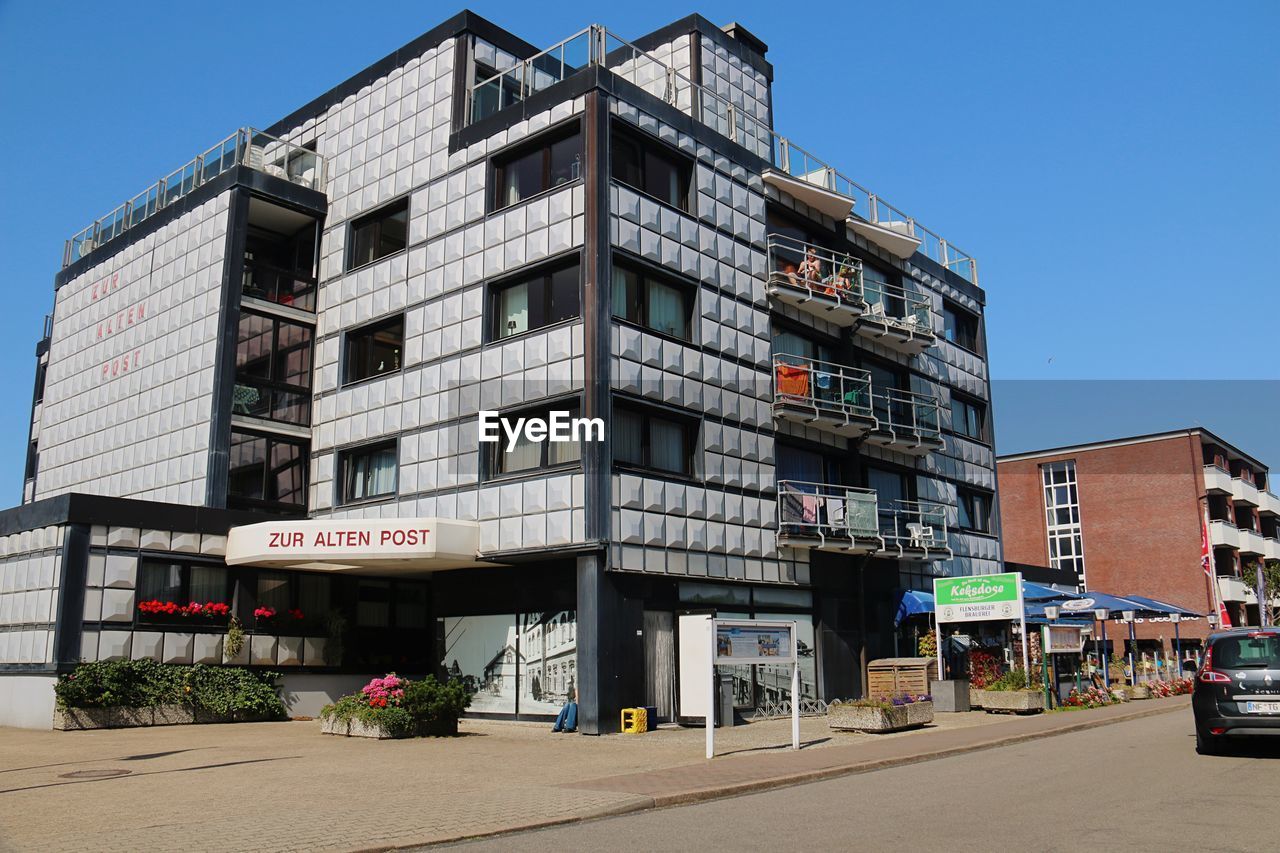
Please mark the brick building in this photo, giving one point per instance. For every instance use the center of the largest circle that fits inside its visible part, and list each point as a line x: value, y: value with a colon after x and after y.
x: 1126, y: 517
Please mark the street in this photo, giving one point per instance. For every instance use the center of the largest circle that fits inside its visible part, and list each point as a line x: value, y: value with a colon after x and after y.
x: 1136, y: 785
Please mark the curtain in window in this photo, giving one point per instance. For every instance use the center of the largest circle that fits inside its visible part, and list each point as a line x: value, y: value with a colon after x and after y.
x: 666, y: 445
x: 208, y: 583
x: 313, y: 594
x: 273, y: 590
x: 524, y: 456
x: 513, y: 310
x: 160, y: 582
x: 666, y: 310
x: 373, y: 474
x: 628, y: 437
x: 563, y: 452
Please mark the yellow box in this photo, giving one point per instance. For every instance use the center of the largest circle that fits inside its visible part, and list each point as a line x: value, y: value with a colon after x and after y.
x: 635, y: 721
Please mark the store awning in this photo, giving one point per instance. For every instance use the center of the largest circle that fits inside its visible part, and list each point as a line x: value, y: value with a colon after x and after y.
x: 1164, y: 608
x: 1040, y: 592
x: 912, y: 602
x: 357, y: 546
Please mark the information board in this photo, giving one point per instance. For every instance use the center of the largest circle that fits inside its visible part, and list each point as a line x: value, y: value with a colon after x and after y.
x: 752, y: 641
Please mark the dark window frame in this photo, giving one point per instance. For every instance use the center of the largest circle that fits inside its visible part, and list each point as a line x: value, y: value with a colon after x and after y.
x: 964, y: 502
x: 185, y: 565
x: 369, y: 330
x: 956, y: 317
x: 543, y: 141
x: 648, y: 276
x: 495, y: 451
x: 276, y: 367
x: 980, y: 410
x: 304, y: 453
x: 375, y: 218
x: 542, y: 273
x: 342, y: 480
x: 648, y: 145
x: 689, y: 423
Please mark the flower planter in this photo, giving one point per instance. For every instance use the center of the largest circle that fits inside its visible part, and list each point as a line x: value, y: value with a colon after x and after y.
x: 1139, y: 691
x: 1008, y: 701
x: 82, y: 719
x: 358, y: 728
x: 848, y: 717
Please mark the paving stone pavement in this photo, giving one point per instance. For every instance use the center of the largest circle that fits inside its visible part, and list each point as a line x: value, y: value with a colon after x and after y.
x: 285, y: 786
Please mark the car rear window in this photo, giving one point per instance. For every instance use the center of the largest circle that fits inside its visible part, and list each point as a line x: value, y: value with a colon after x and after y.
x: 1248, y: 652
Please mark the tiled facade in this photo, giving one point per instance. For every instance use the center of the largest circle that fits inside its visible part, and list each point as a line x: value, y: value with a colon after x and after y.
x: 605, y: 543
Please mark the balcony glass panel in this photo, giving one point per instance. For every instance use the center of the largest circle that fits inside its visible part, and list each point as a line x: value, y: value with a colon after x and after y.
x: 818, y: 510
x: 833, y: 389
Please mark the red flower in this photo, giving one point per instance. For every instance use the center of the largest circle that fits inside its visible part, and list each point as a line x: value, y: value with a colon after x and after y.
x: 295, y: 613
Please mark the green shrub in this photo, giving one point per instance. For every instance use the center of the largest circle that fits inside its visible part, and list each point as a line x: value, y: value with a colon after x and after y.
x: 424, y: 707
x: 1014, y: 679
x: 219, y: 690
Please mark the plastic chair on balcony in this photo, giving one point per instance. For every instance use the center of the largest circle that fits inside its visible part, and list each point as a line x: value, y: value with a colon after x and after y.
x: 921, y: 535
x: 244, y: 398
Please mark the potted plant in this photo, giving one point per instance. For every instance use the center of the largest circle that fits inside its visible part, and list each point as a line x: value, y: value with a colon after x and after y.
x: 881, y: 715
x: 1010, y: 694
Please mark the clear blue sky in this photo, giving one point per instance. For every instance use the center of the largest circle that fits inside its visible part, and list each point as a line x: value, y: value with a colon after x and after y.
x: 1112, y: 166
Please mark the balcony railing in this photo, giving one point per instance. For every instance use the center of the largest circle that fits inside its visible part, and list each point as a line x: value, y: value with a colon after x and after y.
x: 807, y: 390
x: 914, y: 528
x: 906, y: 420
x: 48, y: 328
x: 247, y: 147
x: 597, y: 46
x: 816, y: 280
x: 838, y: 517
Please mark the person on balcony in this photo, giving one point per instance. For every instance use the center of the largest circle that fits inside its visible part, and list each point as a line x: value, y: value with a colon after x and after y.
x: 809, y: 272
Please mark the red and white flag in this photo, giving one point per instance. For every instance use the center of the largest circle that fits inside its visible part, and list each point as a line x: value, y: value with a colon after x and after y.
x: 1206, y: 563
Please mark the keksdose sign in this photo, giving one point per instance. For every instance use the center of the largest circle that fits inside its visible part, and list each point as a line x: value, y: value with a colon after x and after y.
x: 978, y: 598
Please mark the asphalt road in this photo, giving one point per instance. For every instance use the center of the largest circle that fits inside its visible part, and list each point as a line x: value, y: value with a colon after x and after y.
x: 1130, y: 786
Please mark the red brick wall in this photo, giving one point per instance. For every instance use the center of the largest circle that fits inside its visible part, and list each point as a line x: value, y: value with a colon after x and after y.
x: 1140, y: 514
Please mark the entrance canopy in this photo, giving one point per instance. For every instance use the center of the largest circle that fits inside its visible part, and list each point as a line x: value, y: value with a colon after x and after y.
x: 357, y: 546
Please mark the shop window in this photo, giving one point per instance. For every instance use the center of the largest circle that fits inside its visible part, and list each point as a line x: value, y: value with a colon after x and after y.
x: 511, y: 663
x: 376, y: 235
x: 367, y: 473
x: 974, y: 510
x: 374, y: 350
x: 653, y: 439
x: 171, y: 591
x: 267, y: 472
x: 655, y: 302
x: 549, y: 162
x: 273, y: 369
x: 968, y: 417
x: 652, y: 168
x: 550, y: 295
x: 530, y: 455
x: 960, y: 326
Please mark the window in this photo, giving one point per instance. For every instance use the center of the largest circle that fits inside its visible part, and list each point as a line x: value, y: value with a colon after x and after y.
x: 375, y: 235
x: 646, y: 438
x: 960, y: 326
x: 42, y: 371
x: 652, y: 168
x: 1062, y: 517
x: 367, y: 472
x: 267, y: 471
x: 549, y: 296
x: 975, y: 510
x: 528, y: 455
x: 968, y: 418
x: 273, y: 369
x: 374, y: 350
x: 787, y: 342
x: 33, y: 460
x: 553, y: 160
x: 652, y: 302
x: 181, y: 584
x: 805, y: 466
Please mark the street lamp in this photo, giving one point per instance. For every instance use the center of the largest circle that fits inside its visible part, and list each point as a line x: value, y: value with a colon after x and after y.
x: 1128, y: 616
x: 1175, y: 618
x: 1102, y: 614
x: 1052, y: 612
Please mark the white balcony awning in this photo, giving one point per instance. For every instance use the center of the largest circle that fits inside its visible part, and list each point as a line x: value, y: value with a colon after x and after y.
x: 357, y: 546
x: 894, y: 237
x: 812, y: 190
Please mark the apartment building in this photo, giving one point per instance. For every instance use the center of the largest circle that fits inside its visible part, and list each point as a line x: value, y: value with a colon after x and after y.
x: 1127, y: 516
x: 263, y: 379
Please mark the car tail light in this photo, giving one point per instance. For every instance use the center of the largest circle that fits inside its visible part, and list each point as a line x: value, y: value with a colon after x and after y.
x: 1212, y: 676
x: 1217, y: 730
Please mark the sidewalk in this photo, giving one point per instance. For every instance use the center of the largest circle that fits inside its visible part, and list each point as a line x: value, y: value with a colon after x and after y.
x: 284, y: 786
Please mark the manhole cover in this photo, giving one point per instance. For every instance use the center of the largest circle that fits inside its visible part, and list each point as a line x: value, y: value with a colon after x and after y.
x: 94, y: 774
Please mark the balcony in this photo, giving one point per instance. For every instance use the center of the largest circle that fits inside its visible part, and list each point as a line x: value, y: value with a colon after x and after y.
x: 1224, y: 534
x: 246, y: 147
x: 1245, y: 492
x: 829, y: 397
x: 1252, y: 543
x: 1217, y: 481
x: 1234, y: 589
x: 915, y: 530
x: 1270, y: 504
x: 283, y: 287
x: 906, y: 421
x: 828, y: 518
x: 898, y: 318
x: 815, y: 280
x: 270, y: 401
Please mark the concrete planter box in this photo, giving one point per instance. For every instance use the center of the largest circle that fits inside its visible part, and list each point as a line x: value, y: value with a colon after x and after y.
x: 358, y: 728
x: 1008, y: 701
x: 80, y: 719
x: 1138, y: 691
x: 848, y: 717
x: 950, y: 696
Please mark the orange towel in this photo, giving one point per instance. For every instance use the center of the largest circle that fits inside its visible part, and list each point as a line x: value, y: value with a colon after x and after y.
x: 792, y: 381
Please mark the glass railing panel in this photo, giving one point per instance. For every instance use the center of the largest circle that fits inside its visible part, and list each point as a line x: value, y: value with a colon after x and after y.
x: 261, y: 400
x: 814, y: 269
x: 819, y: 510
x: 840, y: 391
x: 283, y: 287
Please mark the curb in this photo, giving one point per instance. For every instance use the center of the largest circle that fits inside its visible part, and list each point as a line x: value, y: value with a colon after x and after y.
x: 641, y: 802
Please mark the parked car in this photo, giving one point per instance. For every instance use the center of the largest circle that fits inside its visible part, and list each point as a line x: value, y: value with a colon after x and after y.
x: 1237, y: 688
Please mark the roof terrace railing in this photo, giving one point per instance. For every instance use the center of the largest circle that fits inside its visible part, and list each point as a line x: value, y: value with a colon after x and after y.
x: 597, y: 46
x: 247, y: 147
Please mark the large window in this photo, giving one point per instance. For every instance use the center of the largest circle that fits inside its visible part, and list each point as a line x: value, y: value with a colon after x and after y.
x: 968, y: 417
x: 267, y: 471
x: 273, y: 369
x: 652, y: 301
x: 551, y: 161
x: 960, y: 326
x: 374, y: 350
x: 1062, y: 517
x: 168, y: 589
x: 653, y: 439
x: 376, y: 235
x: 974, y: 510
x: 529, y: 455
x: 652, y: 168
x: 367, y: 473
x: 548, y: 296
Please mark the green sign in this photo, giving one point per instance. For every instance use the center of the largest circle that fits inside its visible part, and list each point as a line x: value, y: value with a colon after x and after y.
x: 978, y: 598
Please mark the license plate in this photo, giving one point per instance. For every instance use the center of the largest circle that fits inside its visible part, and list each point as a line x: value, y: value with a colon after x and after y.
x: 1262, y: 707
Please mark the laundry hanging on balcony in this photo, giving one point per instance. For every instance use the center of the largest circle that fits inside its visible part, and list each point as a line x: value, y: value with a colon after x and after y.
x: 792, y: 381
